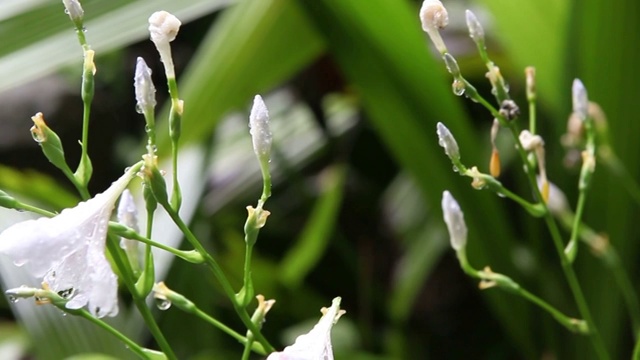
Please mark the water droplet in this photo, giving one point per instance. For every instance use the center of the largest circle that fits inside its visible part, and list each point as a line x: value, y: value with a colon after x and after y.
x: 501, y: 195
x: 458, y: 87
x: 13, y: 299
x: 66, y: 11
x: 126, y: 170
x: 163, y: 304
x: 84, y: 30
x: 163, y: 172
x: 139, y: 110
x: 455, y: 169
x: 146, y: 127
x: 36, y: 136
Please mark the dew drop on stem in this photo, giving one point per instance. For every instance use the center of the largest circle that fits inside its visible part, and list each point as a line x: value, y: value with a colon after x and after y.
x: 163, y: 304
x: 458, y: 87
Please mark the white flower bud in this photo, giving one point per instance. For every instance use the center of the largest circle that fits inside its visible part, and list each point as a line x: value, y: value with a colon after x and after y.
x: 143, y: 85
x: 454, y: 218
x: 433, y: 17
x: 259, y: 128
x: 476, y: 32
x: 73, y: 9
x: 580, y: 99
x: 163, y: 28
x: 529, y: 141
x: 448, y: 142
x: 557, y: 202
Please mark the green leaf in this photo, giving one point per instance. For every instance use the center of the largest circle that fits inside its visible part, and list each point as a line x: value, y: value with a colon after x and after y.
x: 314, y: 238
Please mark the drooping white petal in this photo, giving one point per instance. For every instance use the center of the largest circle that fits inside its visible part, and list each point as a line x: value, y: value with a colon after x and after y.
x: 316, y: 344
x: 67, y: 251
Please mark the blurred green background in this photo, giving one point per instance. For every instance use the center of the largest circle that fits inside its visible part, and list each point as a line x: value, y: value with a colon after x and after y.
x: 354, y: 90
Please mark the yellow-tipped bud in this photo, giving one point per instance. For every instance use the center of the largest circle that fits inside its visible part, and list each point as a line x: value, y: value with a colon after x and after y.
x: 494, y: 164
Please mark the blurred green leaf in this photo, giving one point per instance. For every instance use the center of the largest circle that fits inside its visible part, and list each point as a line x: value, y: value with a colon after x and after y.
x: 42, y: 40
x: 314, y: 238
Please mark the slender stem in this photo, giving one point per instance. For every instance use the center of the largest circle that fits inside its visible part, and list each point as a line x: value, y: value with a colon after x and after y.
x: 220, y: 276
x: 491, y: 279
x: 128, y: 233
x: 132, y: 345
x: 572, y: 247
x: 532, y: 116
x: 127, y: 278
x: 607, y: 252
x: 570, y: 275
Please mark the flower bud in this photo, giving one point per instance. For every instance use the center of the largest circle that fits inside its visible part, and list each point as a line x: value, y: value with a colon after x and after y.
x: 476, y: 32
x: 145, y: 90
x: 259, y: 129
x: 580, y: 99
x: 434, y: 16
x: 454, y: 218
x: 49, y: 142
x: 448, y: 142
x: 163, y: 28
x: 73, y: 9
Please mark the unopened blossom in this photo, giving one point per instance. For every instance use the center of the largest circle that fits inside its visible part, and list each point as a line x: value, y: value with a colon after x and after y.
x: 316, y: 344
x: 66, y: 252
x: 454, y: 218
x: 163, y: 28
x: 144, y: 88
x: 259, y: 128
x: 73, y: 9
x: 476, y: 32
x: 434, y: 17
x: 580, y: 99
x: 448, y: 142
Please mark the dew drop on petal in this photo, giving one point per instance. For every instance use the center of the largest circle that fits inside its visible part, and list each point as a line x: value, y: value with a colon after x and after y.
x: 13, y: 299
x: 163, y: 304
x: 139, y: 111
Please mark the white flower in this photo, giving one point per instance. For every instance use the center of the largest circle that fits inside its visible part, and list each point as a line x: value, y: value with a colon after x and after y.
x: 163, y: 28
x: 67, y: 251
x: 448, y: 142
x: 316, y: 344
x: 259, y: 128
x: 454, y: 218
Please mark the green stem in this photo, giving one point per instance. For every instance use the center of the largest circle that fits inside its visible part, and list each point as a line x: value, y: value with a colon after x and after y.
x: 128, y: 233
x: 570, y: 275
x: 130, y: 343
x: 490, y: 279
x: 220, y: 276
x: 607, y: 252
x: 572, y: 247
x: 127, y: 278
